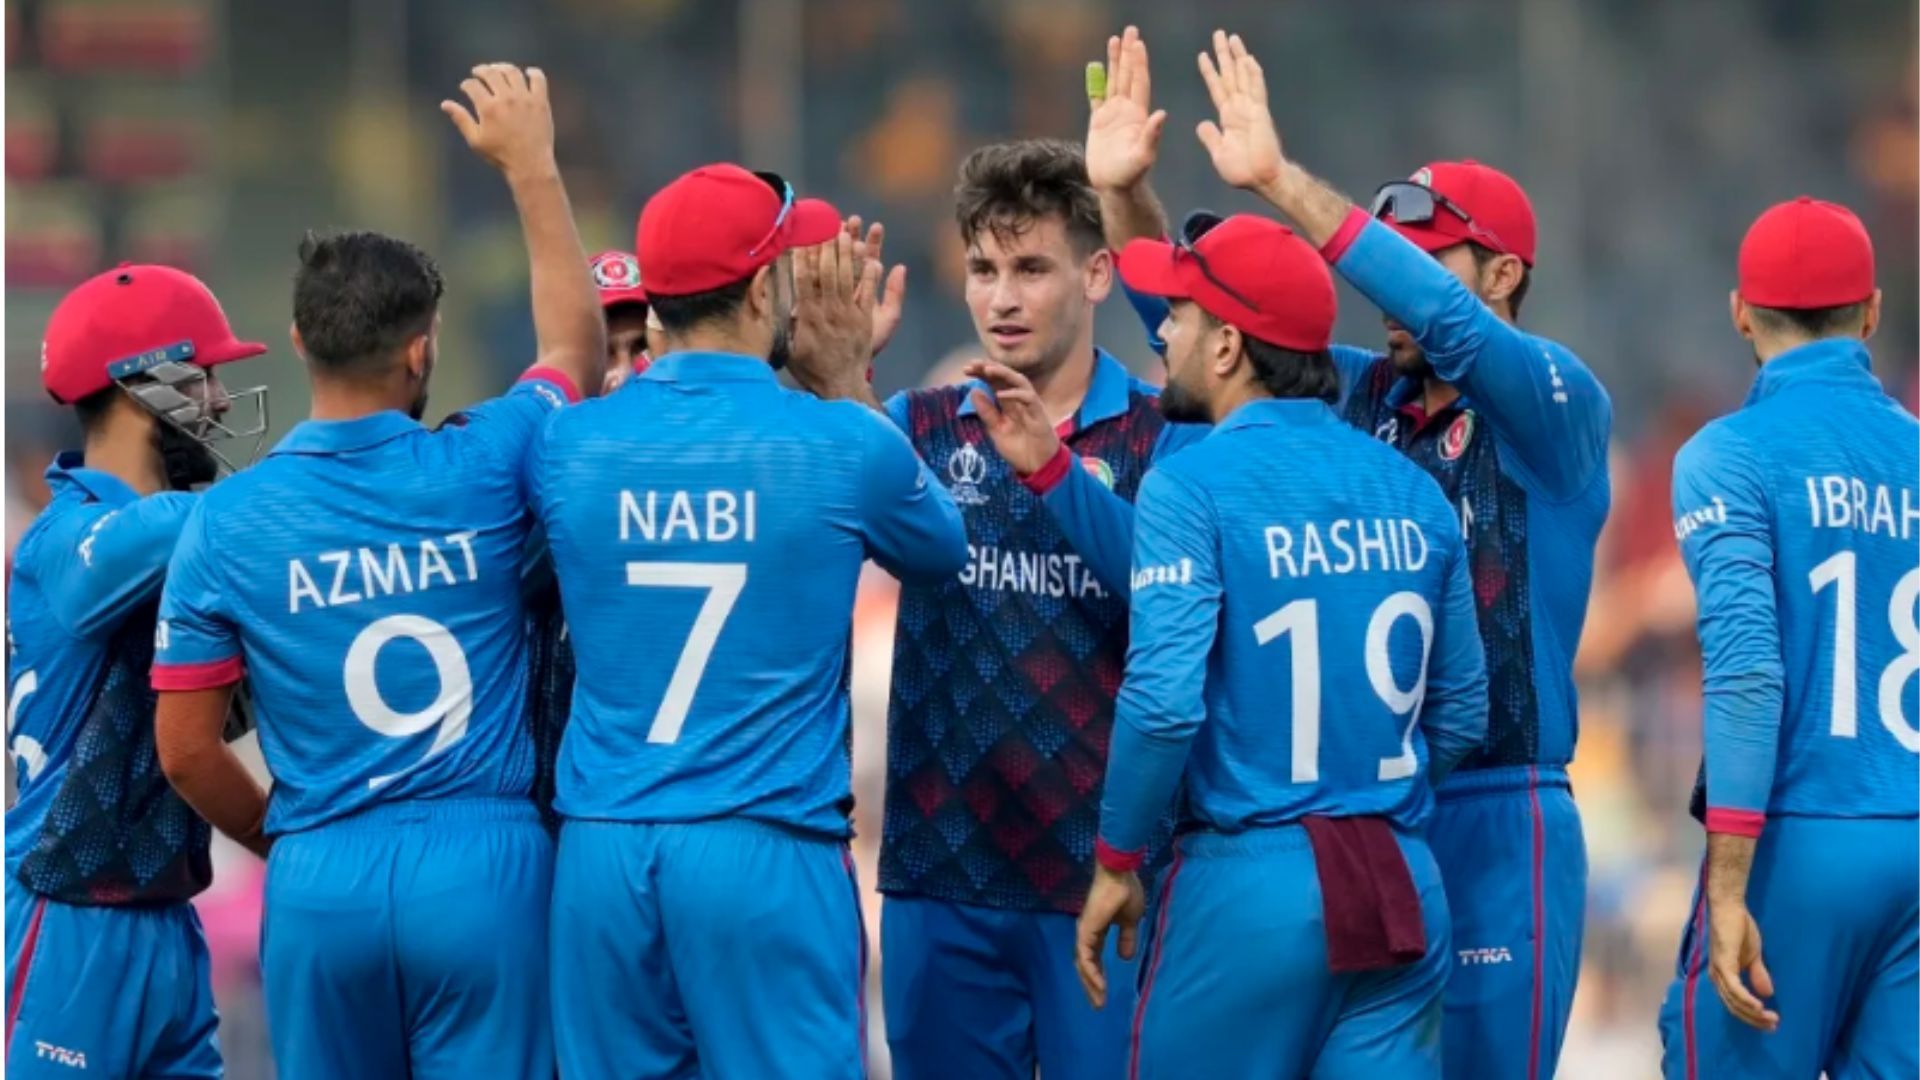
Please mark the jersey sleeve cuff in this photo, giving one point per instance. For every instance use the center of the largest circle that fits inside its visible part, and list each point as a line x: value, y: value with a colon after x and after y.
x: 1747, y: 823
x: 540, y: 373
x: 1048, y: 476
x: 1343, y: 237
x: 206, y: 676
x: 1120, y: 862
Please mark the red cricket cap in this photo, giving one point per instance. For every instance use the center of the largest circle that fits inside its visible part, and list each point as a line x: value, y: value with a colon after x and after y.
x: 1806, y: 254
x: 118, y: 323
x: 1497, y: 204
x: 617, y: 275
x: 1285, y: 293
x: 720, y: 223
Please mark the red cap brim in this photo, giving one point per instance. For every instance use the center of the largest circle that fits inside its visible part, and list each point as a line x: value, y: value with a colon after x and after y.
x: 615, y: 297
x: 813, y: 221
x: 1428, y: 238
x: 228, y: 352
x: 1148, y: 266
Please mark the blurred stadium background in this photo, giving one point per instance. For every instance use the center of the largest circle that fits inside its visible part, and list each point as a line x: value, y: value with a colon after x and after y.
x: 1648, y: 133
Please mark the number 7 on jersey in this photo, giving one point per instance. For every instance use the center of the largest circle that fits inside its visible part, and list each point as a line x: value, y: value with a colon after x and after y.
x: 723, y: 582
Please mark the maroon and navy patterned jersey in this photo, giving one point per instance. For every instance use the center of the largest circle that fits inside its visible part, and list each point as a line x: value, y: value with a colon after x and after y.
x: 1004, y: 677
x: 115, y: 833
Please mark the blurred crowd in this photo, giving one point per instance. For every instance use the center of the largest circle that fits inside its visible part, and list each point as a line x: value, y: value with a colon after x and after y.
x: 1647, y: 133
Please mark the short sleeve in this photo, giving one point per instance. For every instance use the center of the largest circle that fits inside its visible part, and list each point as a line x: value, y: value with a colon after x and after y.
x: 504, y: 428
x: 196, y: 644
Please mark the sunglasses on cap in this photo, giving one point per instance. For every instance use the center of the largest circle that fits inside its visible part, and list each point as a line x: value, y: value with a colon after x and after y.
x: 1417, y: 204
x: 785, y: 191
x: 1198, y: 224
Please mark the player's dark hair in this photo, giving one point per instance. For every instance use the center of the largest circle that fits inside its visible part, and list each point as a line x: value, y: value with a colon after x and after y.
x: 1289, y: 373
x: 680, y: 314
x: 1006, y: 187
x: 1482, y: 256
x: 1811, y: 322
x: 358, y: 296
x: 92, y: 410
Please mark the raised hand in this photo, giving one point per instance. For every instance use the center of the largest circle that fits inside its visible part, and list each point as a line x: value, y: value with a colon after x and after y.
x: 891, y: 302
x: 1123, y: 131
x: 1015, y: 420
x: 1244, y: 145
x: 511, y: 124
x: 834, y: 291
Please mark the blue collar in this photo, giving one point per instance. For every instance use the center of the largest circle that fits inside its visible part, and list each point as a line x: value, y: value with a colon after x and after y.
x: 1842, y: 360
x: 707, y: 367
x: 69, y: 471
x: 1107, y: 393
x: 343, y: 436
x: 1278, y: 412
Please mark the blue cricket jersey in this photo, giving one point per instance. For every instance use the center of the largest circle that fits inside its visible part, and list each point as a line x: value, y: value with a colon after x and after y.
x: 1299, y: 648
x: 367, y: 575
x: 1522, y: 457
x: 96, y: 821
x: 707, y: 527
x: 1798, y: 517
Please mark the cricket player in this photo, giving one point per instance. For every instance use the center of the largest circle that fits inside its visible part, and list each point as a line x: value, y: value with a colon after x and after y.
x: 708, y: 527
x: 367, y: 576
x: 1798, y: 517
x: 633, y: 334
x: 633, y: 338
x: 1004, y: 676
x: 107, y: 968
x: 1305, y: 660
x: 1514, y: 429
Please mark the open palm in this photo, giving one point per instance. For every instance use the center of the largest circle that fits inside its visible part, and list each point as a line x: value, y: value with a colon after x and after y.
x: 1123, y: 133
x: 1244, y: 145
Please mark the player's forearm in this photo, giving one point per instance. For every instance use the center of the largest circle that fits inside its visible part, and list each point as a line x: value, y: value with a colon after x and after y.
x: 1132, y: 213
x: 567, y: 320
x: 1096, y: 522
x: 1742, y: 728
x: 1729, y: 865
x: 205, y: 772
x: 1315, y: 208
x: 1143, y: 772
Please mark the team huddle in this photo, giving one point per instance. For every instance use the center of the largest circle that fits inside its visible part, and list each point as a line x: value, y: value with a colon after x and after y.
x: 1229, y: 722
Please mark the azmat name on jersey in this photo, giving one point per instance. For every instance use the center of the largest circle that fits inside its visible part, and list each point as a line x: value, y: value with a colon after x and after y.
x: 364, y: 573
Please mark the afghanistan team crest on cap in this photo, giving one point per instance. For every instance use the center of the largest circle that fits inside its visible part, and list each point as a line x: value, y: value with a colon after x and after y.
x: 1459, y: 434
x: 1099, y: 470
x: 616, y: 270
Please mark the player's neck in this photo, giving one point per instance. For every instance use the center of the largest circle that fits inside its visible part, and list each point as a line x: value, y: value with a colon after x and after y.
x: 1437, y: 395
x: 1232, y: 398
x: 1063, y: 389
x: 130, y: 459
x: 347, y: 401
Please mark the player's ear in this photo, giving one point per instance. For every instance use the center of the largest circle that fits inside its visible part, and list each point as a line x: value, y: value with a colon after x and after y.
x: 1737, y: 310
x: 1500, y: 277
x: 419, y: 356
x: 1872, y: 321
x: 1227, y: 350
x: 299, y: 343
x: 1099, y: 275
x: 760, y: 298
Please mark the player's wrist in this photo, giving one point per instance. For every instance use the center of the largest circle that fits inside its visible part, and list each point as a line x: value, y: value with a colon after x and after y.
x: 531, y: 172
x: 1049, y: 473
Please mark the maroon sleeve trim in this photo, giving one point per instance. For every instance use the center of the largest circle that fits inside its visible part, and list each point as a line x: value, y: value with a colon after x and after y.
x: 207, y: 676
x: 1343, y: 237
x: 1120, y: 862
x: 1748, y: 823
x: 1048, y: 476
x: 556, y: 377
